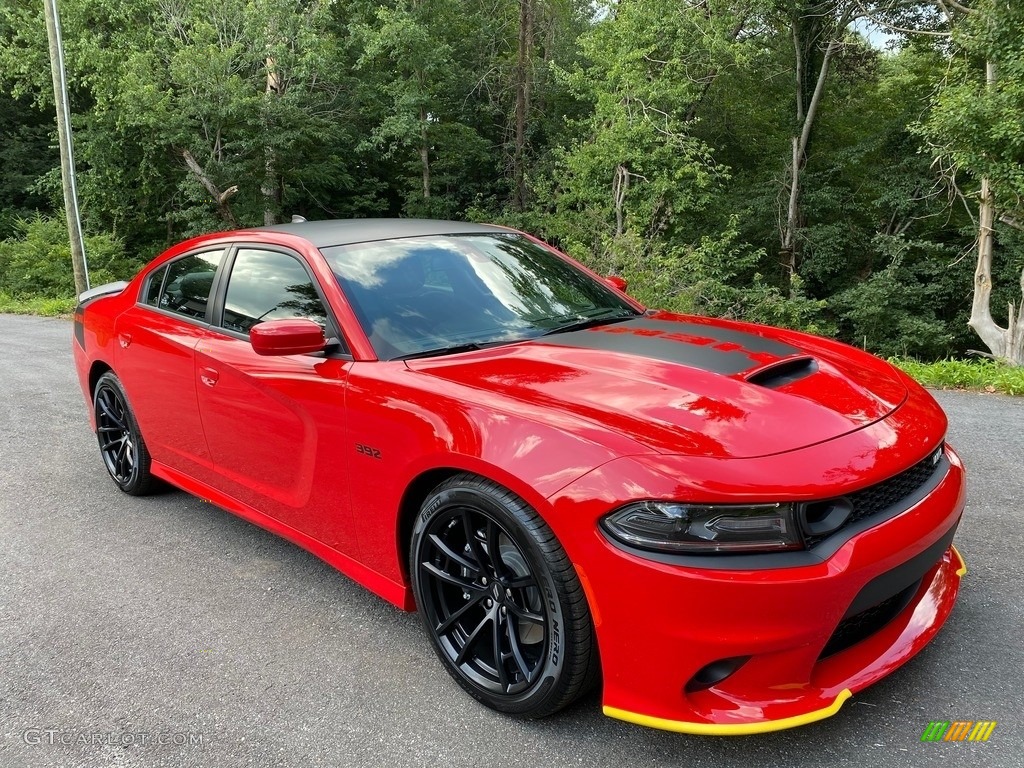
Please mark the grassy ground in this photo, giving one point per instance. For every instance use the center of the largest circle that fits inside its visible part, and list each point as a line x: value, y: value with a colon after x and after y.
x: 981, y: 375
x: 36, y: 306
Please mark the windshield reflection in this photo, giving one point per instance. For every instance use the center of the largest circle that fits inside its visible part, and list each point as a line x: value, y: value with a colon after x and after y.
x: 428, y: 294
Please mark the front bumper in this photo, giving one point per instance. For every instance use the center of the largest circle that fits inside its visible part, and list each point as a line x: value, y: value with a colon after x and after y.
x: 659, y: 625
x: 837, y: 677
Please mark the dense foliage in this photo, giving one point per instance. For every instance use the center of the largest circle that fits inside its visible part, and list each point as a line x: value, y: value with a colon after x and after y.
x: 781, y: 161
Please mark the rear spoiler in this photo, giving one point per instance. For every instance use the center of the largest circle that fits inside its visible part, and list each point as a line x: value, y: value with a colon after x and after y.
x: 107, y: 289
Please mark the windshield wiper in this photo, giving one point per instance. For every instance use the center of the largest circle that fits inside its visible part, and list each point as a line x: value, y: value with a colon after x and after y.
x: 452, y: 349
x: 587, y: 322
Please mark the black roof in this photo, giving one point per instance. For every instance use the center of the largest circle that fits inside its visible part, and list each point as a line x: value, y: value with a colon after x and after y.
x: 347, y: 231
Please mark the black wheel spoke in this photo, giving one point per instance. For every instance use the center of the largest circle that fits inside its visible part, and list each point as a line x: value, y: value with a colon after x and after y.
x: 452, y: 620
x: 525, y: 614
x: 517, y: 651
x: 108, y: 411
x: 471, y: 539
x: 451, y: 554
x: 499, y: 661
x: 122, y: 461
x: 449, y: 578
x: 522, y: 582
x: 471, y: 640
x: 494, y: 549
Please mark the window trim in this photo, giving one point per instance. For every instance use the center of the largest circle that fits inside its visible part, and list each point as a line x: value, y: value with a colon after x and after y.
x: 225, y: 248
x: 215, y: 314
x: 163, y: 270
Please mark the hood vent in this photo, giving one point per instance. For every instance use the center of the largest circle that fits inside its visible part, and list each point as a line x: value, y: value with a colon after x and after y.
x: 785, y: 372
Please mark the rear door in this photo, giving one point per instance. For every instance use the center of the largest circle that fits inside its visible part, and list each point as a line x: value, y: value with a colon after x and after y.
x: 154, y: 356
x: 276, y: 425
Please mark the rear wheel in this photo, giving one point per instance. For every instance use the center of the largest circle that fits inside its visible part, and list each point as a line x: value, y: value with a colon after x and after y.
x: 501, y: 602
x: 122, y: 448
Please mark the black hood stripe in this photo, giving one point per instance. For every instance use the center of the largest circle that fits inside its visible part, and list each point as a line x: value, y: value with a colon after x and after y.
x: 707, y: 347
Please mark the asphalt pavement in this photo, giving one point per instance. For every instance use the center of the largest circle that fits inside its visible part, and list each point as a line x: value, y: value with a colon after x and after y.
x: 163, y: 631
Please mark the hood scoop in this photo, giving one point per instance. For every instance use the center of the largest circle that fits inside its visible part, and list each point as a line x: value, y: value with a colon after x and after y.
x: 784, y: 372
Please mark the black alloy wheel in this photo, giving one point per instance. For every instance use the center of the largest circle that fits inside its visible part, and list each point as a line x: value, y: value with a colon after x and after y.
x: 500, y: 600
x: 121, y: 445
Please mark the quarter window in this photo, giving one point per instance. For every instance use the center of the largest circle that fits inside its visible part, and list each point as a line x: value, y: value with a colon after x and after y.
x: 269, y: 285
x: 156, y: 280
x: 188, y: 284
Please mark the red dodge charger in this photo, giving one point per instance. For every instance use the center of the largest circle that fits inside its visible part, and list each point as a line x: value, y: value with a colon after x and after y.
x: 732, y: 527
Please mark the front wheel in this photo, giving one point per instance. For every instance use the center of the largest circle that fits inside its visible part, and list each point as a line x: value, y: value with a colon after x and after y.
x: 121, y: 446
x: 500, y: 600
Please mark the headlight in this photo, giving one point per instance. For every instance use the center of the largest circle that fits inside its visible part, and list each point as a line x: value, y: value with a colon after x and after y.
x: 667, y: 526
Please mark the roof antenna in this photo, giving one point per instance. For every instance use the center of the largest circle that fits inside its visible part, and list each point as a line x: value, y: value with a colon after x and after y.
x: 296, y: 219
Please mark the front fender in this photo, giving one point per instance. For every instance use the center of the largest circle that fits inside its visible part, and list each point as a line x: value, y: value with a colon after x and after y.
x: 415, y: 431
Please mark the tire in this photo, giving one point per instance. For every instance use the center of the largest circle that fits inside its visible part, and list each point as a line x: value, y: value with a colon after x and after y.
x: 524, y: 608
x: 122, y: 448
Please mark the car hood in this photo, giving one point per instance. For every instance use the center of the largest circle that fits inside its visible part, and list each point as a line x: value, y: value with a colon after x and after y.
x: 689, y: 385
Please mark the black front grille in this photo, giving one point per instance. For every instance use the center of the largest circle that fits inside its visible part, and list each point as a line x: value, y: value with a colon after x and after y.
x: 884, y: 495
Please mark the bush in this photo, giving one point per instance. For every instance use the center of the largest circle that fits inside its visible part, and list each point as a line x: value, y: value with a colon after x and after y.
x: 36, y: 262
x: 717, y: 277
x: 37, y: 306
x: 986, y: 375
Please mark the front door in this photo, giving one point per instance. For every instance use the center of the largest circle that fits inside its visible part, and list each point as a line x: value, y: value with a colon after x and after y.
x: 275, y: 425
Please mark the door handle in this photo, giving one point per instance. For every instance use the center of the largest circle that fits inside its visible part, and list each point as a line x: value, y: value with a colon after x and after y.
x: 209, y: 376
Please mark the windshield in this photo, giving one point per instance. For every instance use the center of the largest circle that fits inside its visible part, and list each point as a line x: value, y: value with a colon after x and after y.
x: 432, y: 295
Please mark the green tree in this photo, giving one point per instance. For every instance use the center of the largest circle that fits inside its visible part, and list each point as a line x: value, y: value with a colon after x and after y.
x: 200, y: 115
x: 975, y: 130
x: 625, y: 187
x: 419, y: 56
x: 26, y: 156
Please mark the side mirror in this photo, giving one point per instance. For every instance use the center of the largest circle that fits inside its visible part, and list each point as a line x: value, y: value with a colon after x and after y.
x: 297, y: 336
x: 616, y: 282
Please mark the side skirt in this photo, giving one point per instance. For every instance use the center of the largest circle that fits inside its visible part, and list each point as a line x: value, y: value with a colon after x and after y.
x: 395, y: 593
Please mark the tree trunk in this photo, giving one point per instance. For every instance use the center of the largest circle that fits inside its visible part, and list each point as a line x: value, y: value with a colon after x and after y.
x: 1004, y: 343
x: 620, y: 188
x: 271, y: 187
x: 522, y: 88
x: 1016, y: 330
x: 219, y: 198
x: 789, y: 254
x: 805, y: 119
x: 424, y: 153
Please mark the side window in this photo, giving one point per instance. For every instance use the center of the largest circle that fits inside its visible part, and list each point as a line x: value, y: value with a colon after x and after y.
x: 269, y: 285
x: 152, y: 293
x: 188, y: 284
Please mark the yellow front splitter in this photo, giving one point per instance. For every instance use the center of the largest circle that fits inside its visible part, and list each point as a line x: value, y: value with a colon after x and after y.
x: 730, y: 729
x: 962, y: 570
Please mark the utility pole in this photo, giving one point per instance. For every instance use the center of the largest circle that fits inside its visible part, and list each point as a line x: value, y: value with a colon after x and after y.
x: 67, y: 155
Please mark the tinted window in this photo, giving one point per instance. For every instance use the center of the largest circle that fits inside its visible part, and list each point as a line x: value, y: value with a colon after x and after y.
x: 268, y: 285
x: 152, y: 295
x: 188, y: 284
x: 418, y: 294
